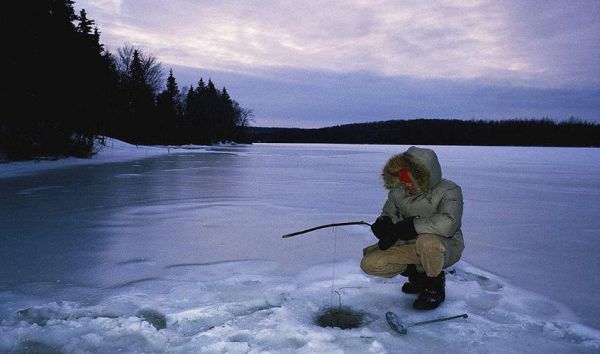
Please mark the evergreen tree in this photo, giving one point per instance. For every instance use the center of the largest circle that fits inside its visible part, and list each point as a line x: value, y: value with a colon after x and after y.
x: 191, y: 102
x: 172, y: 88
x: 167, y: 110
x: 136, y: 73
x: 143, y: 126
x: 227, y: 111
x: 96, y: 41
x: 151, y: 68
x: 201, y: 86
x: 89, y: 32
x: 212, y: 123
x: 212, y: 91
x: 85, y: 25
x: 52, y: 118
x: 199, y: 118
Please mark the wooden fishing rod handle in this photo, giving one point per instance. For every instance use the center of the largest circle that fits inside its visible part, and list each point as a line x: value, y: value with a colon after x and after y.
x: 325, y: 226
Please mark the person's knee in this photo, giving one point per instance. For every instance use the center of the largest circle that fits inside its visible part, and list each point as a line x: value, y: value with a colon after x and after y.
x: 374, y: 264
x: 427, y: 243
x: 369, y: 264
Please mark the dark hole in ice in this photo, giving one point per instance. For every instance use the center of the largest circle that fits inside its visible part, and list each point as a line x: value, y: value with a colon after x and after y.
x: 340, y: 317
x: 155, y: 318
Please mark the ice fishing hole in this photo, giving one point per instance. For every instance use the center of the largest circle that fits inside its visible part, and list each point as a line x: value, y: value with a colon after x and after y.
x: 340, y: 317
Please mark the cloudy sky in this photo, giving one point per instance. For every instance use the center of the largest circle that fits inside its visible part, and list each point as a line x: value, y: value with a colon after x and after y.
x: 319, y: 63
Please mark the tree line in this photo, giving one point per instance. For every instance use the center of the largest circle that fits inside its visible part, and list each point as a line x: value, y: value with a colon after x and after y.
x: 516, y: 132
x: 63, y: 90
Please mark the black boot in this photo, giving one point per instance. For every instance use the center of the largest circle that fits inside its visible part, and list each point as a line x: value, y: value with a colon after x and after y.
x: 433, y: 294
x: 415, y: 283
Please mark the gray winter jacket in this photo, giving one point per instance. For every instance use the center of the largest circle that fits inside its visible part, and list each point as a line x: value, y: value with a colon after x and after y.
x: 438, y: 207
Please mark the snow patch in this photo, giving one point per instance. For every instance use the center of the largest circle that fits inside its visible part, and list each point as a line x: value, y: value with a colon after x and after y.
x: 113, y: 150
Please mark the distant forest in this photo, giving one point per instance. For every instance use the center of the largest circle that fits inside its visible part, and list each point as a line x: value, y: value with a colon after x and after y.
x: 62, y: 90
x: 517, y: 132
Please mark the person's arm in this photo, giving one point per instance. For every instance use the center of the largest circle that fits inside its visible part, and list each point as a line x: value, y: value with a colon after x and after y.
x: 386, y: 226
x: 382, y: 228
x: 447, y: 219
x: 389, y: 208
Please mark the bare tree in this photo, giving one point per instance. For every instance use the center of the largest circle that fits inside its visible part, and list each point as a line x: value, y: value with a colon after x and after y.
x: 124, y: 58
x: 242, y: 116
x: 151, y: 67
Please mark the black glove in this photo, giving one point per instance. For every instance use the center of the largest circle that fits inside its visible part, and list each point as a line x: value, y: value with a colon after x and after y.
x: 383, y: 227
x: 404, y: 230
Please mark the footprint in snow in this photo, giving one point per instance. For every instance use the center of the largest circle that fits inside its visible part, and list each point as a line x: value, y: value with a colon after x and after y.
x: 483, y: 281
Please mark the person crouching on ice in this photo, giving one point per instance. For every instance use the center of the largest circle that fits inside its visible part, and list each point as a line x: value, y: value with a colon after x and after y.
x: 419, y: 229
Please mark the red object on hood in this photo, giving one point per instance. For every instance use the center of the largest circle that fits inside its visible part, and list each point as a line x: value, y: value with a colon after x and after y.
x: 405, y: 176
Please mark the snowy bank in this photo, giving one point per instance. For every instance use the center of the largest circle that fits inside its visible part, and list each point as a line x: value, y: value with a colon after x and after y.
x: 113, y: 150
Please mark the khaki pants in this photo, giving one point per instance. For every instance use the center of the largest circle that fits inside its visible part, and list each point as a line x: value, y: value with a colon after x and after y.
x: 430, y: 253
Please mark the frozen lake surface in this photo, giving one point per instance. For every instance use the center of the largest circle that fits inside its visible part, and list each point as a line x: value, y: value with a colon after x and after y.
x: 101, y: 257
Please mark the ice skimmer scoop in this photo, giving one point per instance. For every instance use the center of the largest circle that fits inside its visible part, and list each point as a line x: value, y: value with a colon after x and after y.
x: 397, y: 325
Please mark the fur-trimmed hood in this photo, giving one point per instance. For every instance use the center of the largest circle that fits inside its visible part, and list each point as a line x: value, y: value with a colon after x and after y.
x: 423, y: 164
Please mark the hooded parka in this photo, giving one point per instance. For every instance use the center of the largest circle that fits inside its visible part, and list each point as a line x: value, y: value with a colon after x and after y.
x: 437, y: 206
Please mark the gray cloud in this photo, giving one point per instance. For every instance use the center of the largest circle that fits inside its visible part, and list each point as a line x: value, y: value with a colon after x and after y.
x: 560, y: 38
x: 542, y: 44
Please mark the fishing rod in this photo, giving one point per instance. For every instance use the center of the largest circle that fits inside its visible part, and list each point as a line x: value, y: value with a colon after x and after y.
x: 325, y: 226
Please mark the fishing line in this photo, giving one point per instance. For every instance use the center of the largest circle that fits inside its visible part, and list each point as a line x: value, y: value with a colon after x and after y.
x: 333, y: 272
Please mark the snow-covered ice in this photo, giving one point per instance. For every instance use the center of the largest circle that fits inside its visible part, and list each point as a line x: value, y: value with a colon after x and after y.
x: 165, y: 251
